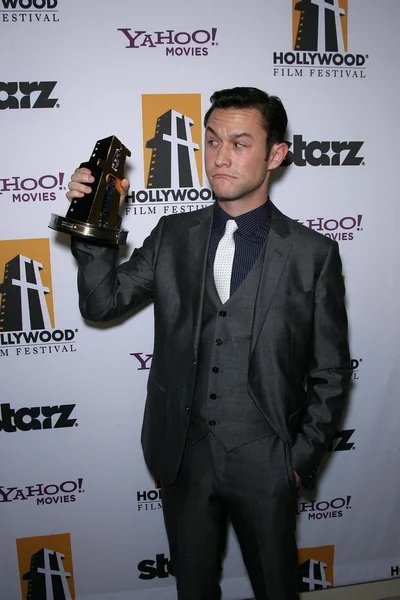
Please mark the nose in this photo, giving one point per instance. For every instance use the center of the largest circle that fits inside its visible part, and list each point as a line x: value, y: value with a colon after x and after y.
x: 222, y: 157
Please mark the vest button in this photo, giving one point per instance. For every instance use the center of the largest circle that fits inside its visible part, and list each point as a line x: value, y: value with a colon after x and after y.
x: 212, y: 423
x: 213, y: 396
x: 222, y: 313
x: 218, y: 342
x: 215, y: 370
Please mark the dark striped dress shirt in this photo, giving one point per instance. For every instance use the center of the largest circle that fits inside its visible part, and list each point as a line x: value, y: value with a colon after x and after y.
x: 250, y: 238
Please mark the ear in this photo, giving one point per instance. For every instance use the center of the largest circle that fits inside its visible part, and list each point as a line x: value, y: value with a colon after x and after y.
x: 277, y: 155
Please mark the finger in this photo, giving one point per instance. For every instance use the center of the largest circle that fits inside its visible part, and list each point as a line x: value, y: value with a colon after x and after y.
x: 82, y: 175
x: 79, y: 187
x: 83, y: 170
x: 77, y: 190
x: 73, y: 194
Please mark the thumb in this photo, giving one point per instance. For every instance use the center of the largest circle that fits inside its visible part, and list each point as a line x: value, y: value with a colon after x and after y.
x: 124, y: 187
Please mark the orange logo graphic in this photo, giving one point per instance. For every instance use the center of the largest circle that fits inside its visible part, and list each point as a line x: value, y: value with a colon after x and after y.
x: 316, y: 568
x: 45, y: 567
x: 26, y: 297
x: 172, y: 140
x: 320, y: 26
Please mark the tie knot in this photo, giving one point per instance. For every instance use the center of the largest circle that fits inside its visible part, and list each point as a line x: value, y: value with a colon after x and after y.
x: 230, y: 227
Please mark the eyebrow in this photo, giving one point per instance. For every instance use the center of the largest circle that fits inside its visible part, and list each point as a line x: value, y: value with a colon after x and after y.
x: 232, y: 136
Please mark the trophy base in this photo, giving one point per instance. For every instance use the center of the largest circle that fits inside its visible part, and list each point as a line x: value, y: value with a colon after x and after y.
x: 106, y: 235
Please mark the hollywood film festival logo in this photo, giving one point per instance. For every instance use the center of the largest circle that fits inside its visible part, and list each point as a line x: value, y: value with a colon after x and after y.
x: 27, y: 321
x: 320, y: 45
x: 45, y: 567
x: 173, y: 161
x: 174, y: 43
x: 356, y: 365
x: 316, y: 566
x: 29, y: 11
x: 149, y: 500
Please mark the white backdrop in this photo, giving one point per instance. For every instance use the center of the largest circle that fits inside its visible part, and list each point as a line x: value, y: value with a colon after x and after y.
x: 72, y: 478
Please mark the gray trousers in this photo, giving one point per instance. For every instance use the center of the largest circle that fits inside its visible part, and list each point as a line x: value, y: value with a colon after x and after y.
x: 254, y: 487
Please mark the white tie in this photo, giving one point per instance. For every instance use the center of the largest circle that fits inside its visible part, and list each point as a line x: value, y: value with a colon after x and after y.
x: 224, y: 260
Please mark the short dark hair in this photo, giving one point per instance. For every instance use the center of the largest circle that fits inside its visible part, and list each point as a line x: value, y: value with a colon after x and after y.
x: 273, y: 113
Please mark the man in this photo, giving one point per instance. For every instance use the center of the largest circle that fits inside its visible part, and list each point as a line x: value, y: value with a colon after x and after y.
x: 251, y: 361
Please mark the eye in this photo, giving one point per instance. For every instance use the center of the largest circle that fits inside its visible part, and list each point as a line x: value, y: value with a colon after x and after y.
x: 212, y: 142
x: 240, y: 145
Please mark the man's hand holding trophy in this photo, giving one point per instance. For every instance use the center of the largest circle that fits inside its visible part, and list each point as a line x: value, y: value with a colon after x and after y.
x: 96, y: 190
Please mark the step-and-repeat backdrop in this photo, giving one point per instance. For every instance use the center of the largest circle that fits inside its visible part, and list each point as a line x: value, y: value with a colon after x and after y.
x: 80, y: 514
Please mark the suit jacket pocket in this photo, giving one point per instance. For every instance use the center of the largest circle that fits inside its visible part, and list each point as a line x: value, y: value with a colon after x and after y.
x: 289, y: 468
x: 154, y: 387
x: 154, y: 414
x: 295, y: 420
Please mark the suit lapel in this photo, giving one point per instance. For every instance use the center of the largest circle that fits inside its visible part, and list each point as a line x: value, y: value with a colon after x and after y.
x: 277, y: 252
x: 198, y: 241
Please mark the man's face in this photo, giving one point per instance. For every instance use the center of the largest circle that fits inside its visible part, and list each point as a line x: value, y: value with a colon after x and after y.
x: 235, y: 153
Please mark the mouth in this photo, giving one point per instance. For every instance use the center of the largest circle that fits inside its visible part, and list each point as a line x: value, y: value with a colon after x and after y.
x: 223, y: 176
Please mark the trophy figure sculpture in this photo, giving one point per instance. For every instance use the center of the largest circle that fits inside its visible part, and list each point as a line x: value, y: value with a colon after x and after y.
x: 95, y: 216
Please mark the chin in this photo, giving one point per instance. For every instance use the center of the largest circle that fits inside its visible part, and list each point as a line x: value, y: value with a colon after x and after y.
x: 229, y: 196
x: 225, y: 193
x: 225, y: 198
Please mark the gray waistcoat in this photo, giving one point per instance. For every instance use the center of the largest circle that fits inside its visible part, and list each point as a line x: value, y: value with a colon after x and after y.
x: 221, y: 402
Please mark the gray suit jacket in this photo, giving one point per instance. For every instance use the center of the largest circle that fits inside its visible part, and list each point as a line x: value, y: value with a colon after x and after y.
x: 299, y: 363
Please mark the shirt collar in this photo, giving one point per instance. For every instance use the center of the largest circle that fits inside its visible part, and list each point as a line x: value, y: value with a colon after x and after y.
x: 247, y: 223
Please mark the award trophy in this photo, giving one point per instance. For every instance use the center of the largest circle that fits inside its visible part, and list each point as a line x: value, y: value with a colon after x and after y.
x: 95, y: 216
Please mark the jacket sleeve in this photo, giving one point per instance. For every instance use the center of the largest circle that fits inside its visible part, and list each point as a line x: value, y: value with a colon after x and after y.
x: 329, y: 371
x: 107, y: 291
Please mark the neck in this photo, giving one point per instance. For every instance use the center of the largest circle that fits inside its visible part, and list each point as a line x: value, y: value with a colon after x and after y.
x: 241, y: 206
